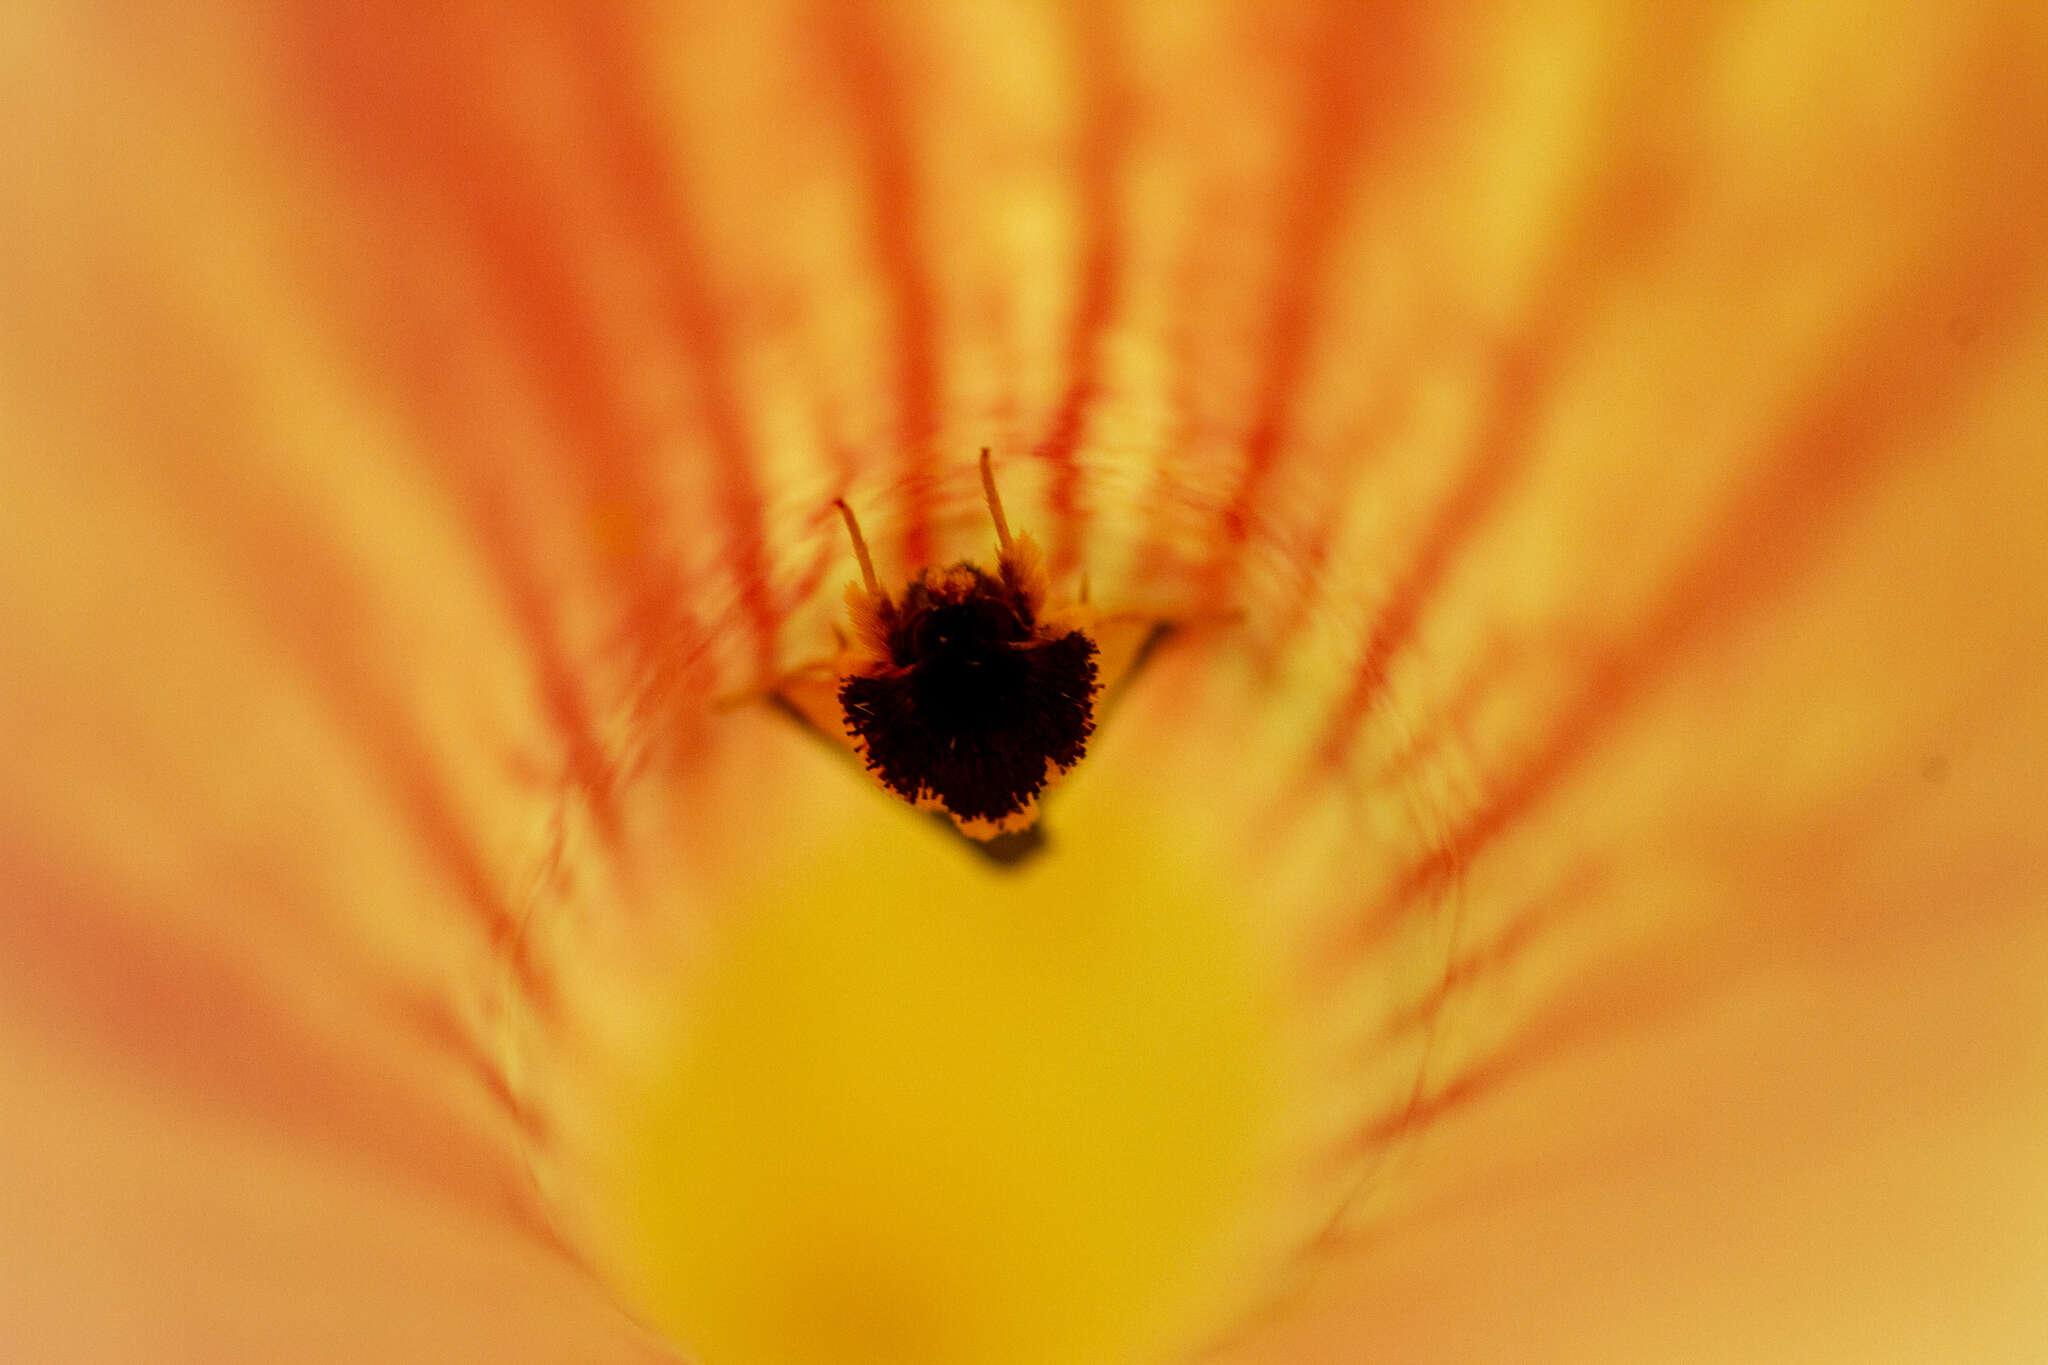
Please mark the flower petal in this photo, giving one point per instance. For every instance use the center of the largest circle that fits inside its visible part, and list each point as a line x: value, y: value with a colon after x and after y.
x: 1612, y: 429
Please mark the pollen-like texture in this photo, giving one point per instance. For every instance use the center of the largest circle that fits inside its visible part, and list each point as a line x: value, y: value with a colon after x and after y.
x: 975, y: 702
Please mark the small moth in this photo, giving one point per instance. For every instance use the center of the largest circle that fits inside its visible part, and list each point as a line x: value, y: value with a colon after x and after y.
x: 974, y: 690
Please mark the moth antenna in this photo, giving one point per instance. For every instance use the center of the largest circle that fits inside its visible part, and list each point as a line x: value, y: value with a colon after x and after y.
x: 860, y: 551
x: 995, y: 503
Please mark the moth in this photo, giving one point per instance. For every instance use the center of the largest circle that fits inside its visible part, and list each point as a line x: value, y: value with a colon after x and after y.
x: 975, y: 689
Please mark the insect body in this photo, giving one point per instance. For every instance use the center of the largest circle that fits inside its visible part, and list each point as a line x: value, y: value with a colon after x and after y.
x: 974, y: 691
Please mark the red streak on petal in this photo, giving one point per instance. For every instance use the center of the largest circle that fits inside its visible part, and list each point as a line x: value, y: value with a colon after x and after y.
x: 1523, y: 928
x: 639, y: 175
x: 1367, y: 71
x: 1895, y: 381
x: 1502, y: 449
x: 305, y: 599
x: 117, y: 980
x: 1655, y: 983
x: 1105, y: 121
x: 1156, y: 546
x: 1631, y: 211
x: 428, y: 135
x: 1363, y: 437
x: 589, y: 769
x: 1494, y: 670
x: 874, y: 86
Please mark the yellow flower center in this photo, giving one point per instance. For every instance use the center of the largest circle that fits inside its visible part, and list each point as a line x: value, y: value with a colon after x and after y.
x: 915, y: 1111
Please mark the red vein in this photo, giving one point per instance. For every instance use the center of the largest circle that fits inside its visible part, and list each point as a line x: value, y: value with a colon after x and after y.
x: 1891, y: 384
x: 179, y: 1014
x: 640, y: 175
x: 1105, y: 126
x: 873, y: 80
x: 1521, y: 377
x: 1353, y: 101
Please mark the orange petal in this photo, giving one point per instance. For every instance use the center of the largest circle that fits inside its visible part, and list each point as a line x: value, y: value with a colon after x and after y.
x: 1614, y: 429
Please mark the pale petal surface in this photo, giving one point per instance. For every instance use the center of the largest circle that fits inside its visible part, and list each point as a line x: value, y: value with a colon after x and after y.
x: 1597, y: 453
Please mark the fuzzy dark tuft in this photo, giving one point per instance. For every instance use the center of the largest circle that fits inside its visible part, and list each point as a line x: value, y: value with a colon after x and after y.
x: 975, y: 700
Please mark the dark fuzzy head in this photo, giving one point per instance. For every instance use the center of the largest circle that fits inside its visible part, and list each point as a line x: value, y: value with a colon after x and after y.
x: 975, y: 699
